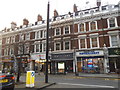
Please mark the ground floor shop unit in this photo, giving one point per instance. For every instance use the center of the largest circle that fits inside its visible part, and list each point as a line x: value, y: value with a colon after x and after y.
x: 91, y: 61
x: 62, y: 63
x: 90, y: 64
x: 114, y: 60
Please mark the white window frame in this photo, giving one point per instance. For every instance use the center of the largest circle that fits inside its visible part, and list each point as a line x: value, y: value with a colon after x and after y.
x: 97, y: 42
x: 116, y: 25
x: 59, y: 31
x: 68, y: 28
x: 43, y: 46
x: 118, y: 38
x: 27, y: 36
x: 38, y: 46
x: 41, y: 32
x: 36, y: 34
x: 44, y: 33
x: 55, y: 46
x: 95, y: 24
x: 69, y: 45
x: 85, y: 42
x: 21, y: 37
x: 8, y: 40
x: 79, y: 27
x: 12, y: 39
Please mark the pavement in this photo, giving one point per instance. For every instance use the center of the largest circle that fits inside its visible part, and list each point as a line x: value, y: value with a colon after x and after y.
x: 40, y: 84
x: 108, y: 75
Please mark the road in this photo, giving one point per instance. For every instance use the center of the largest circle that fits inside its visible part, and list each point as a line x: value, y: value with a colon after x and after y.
x: 71, y: 81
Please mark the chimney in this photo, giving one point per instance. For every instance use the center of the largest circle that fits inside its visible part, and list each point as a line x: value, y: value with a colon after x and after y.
x: 55, y: 13
x: 25, y: 21
x: 39, y: 18
x: 13, y: 25
x: 74, y: 8
x: 98, y: 3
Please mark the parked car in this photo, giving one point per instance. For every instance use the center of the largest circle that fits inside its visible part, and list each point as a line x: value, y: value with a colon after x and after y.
x: 7, y: 81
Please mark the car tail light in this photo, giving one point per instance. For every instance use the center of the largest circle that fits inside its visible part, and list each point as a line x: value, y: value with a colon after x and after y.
x: 12, y: 78
x: 2, y: 76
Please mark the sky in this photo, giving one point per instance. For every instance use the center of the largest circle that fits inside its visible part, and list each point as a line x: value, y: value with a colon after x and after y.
x: 17, y: 10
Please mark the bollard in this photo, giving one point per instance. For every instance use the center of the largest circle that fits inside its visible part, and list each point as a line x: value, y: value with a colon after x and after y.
x: 30, y: 79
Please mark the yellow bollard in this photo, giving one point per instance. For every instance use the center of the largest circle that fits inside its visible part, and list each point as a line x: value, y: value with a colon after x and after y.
x: 30, y: 79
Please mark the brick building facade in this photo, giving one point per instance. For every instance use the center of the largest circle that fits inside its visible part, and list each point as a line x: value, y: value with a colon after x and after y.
x: 81, y: 41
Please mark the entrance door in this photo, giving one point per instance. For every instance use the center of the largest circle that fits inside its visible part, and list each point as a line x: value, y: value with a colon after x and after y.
x: 79, y: 66
x: 112, y: 65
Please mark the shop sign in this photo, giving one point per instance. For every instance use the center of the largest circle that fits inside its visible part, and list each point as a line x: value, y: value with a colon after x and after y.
x: 63, y: 56
x: 114, y: 51
x: 90, y: 53
x: 38, y: 56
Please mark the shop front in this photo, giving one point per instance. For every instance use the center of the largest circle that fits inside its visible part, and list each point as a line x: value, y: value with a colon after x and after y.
x: 61, y: 63
x: 114, y: 60
x: 40, y: 61
x: 90, y: 61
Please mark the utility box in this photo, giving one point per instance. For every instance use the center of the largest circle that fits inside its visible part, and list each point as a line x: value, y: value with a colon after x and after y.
x: 30, y: 79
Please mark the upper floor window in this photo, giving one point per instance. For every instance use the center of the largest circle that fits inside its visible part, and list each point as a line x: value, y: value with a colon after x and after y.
x: 67, y: 45
x: 114, y: 40
x: 8, y: 40
x: 26, y: 48
x: 93, y: 25
x: 37, y: 48
x: 44, y: 47
x: 27, y: 36
x: 11, y: 51
x: 112, y: 22
x: 40, y: 47
x: 41, y: 34
x: 82, y: 43
x: 67, y: 30
x: 37, y: 35
x: 82, y: 27
x: 94, y: 42
x: 44, y: 35
x: 21, y: 37
x: 57, y: 31
x: 57, y: 46
x: 12, y: 39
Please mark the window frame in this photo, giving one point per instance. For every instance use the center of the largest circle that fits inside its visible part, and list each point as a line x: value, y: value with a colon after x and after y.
x: 91, y: 25
x: 65, y: 30
x: 115, y: 22
x: 56, y: 32
x: 65, y: 45
x: 80, y: 28
x: 91, y: 43
x: 55, y: 48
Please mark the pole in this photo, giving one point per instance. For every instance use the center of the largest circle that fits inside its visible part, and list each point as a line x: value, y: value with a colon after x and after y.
x: 47, y: 44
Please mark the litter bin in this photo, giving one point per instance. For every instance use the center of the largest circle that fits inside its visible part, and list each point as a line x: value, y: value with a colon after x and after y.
x: 30, y: 79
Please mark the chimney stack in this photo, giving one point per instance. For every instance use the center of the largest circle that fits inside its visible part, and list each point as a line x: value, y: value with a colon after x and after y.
x: 39, y: 18
x: 25, y: 21
x: 98, y: 3
x: 74, y: 8
x: 55, y: 13
x: 13, y: 25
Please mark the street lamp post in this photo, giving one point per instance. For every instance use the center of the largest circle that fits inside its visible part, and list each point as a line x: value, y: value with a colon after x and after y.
x: 47, y: 45
x: 105, y: 59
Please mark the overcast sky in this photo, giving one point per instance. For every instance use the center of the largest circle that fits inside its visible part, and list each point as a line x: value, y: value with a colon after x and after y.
x: 17, y: 10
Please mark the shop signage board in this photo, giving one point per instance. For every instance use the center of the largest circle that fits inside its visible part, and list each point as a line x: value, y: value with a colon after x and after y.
x: 38, y: 56
x: 90, y: 53
x: 114, y: 51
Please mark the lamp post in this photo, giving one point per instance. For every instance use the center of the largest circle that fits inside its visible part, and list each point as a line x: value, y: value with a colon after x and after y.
x: 47, y: 45
x: 105, y: 59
